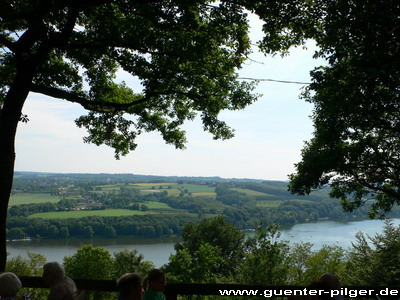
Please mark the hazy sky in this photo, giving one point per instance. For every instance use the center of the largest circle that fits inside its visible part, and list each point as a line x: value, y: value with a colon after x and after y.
x: 269, y: 134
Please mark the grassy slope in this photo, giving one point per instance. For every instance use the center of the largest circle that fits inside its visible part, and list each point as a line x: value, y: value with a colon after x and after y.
x: 89, y: 213
x: 26, y: 198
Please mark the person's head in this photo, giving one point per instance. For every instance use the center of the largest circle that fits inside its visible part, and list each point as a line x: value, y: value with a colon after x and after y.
x: 156, y: 280
x: 51, y: 272
x: 331, y: 279
x: 320, y: 285
x: 130, y: 286
x: 9, y: 284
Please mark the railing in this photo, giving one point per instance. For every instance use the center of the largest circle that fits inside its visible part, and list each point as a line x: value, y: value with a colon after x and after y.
x: 172, y: 290
x: 82, y: 284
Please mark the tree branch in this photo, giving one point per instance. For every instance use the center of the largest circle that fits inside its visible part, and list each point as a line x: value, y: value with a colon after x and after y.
x: 373, y: 187
x: 99, y: 106
x: 6, y: 42
x: 124, y: 45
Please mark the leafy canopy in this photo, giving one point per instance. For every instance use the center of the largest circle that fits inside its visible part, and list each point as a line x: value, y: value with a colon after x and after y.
x: 225, y: 238
x: 185, y: 54
x: 375, y: 260
x: 356, y: 143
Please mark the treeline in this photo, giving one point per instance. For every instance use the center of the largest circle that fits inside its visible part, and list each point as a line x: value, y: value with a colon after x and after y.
x: 23, y: 179
x: 142, y: 226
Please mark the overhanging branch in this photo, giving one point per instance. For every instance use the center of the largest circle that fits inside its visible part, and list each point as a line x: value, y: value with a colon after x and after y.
x: 392, y: 192
x: 99, y: 106
x: 6, y: 42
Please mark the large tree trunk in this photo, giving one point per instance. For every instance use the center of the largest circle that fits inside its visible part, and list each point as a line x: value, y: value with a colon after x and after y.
x: 10, y: 115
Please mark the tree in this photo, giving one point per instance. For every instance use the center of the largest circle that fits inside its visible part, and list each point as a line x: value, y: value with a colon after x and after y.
x: 64, y: 232
x: 356, y: 143
x: 16, y: 233
x: 88, y: 231
x: 131, y: 261
x: 30, y: 266
x: 200, y: 266
x: 90, y: 263
x: 265, y: 260
x: 307, y: 265
x: 218, y: 233
x: 184, y: 53
x: 53, y: 231
x: 375, y: 260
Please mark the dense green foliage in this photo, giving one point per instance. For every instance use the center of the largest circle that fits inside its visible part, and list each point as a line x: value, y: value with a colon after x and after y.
x: 29, y: 266
x: 265, y: 259
x: 184, y: 54
x: 148, y: 226
x: 356, y: 141
x: 268, y: 260
x: 375, y: 260
x: 225, y: 239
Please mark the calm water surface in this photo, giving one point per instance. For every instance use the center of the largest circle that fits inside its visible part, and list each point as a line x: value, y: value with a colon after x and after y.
x: 158, y: 250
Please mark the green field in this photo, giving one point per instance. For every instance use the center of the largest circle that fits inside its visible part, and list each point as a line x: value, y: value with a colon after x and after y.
x: 158, y: 205
x: 301, y: 200
x: 173, y: 189
x: 89, y: 213
x: 27, y: 198
x: 208, y: 194
x: 173, y: 192
x: 250, y: 192
x: 113, y: 187
x: 195, y: 188
x: 155, y: 184
x: 269, y: 203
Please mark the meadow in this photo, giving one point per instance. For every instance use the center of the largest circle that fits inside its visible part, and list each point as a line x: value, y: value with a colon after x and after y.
x: 27, y: 198
x: 90, y: 213
x: 251, y: 192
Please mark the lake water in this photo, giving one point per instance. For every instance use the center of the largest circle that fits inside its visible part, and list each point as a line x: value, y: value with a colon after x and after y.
x: 158, y: 250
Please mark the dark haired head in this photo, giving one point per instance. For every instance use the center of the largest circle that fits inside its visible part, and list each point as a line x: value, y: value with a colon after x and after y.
x: 128, y: 282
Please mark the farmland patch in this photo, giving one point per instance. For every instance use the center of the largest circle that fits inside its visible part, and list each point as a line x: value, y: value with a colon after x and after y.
x: 89, y: 213
x: 27, y: 198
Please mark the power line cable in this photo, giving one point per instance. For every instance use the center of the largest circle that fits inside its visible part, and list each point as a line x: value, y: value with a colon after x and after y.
x: 274, y: 80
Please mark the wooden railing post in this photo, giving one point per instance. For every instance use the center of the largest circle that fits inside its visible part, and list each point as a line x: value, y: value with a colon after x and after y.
x: 171, y: 296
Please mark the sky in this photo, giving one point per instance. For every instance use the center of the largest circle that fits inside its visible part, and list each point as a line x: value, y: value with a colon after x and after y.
x: 269, y: 134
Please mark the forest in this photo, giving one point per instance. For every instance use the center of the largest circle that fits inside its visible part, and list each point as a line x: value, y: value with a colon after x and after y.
x: 45, y: 205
